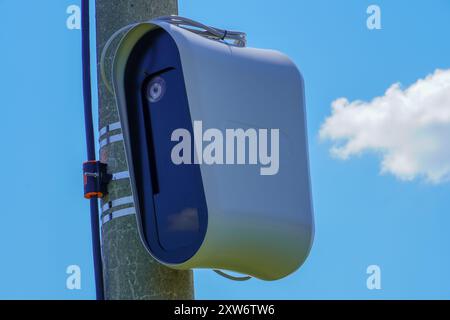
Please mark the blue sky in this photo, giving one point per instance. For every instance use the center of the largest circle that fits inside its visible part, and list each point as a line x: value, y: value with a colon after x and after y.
x: 362, y: 217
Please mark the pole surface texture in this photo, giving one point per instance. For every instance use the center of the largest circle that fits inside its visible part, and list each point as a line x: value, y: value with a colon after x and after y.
x: 128, y: 270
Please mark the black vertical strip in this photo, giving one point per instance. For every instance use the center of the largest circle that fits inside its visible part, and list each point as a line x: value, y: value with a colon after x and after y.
x: 149, y: 135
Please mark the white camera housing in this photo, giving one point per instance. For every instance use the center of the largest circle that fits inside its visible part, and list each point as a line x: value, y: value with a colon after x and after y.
x: 216, y: 216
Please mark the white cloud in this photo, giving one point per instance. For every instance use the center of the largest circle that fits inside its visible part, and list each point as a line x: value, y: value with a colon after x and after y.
x: 409, y: 128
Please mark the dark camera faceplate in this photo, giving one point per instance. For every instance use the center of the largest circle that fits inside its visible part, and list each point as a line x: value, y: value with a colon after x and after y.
x: 172, y: 206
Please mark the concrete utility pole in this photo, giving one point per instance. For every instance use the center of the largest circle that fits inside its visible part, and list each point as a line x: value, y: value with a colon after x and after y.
x: 129, y: 272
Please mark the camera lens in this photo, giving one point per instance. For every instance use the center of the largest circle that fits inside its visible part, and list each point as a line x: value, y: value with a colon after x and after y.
x: 156, y: 89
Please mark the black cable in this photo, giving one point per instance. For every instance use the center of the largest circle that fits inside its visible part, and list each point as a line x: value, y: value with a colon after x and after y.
x: 90, y: 143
